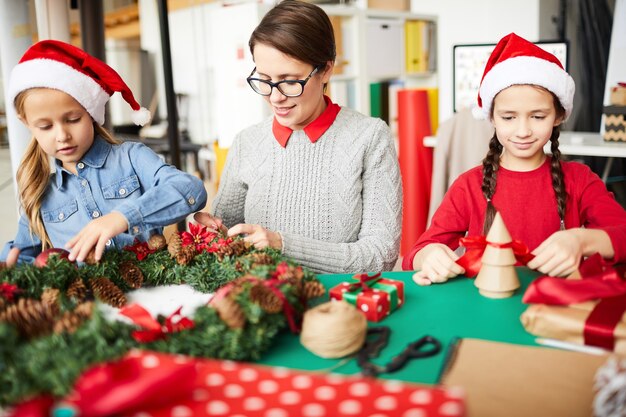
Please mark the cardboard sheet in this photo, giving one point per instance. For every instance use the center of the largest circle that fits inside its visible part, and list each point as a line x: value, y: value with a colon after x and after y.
x: 502, y: 379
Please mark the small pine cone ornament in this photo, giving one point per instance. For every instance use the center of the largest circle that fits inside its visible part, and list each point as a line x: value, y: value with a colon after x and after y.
x: 131, y: 274
x: 77, y: 290
x: 50, y: 296
x: 175, y: 244
x: 71, y: 320
x: 90, y: 259
x: 266, y: 299
x: 261, y: 258
x: 3, y: 304
x: 313, y: 289
x: 186, y: 255
x: 230, y: 312
x: 239, y: 247
x: 157, y: 242
x: 32, y: 318
x: 108, y: 292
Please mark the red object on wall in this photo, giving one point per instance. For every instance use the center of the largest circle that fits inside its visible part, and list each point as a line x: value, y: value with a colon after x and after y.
x: 416, y: 163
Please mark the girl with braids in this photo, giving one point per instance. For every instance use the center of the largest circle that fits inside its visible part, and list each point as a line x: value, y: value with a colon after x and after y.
x: 561, y: 210
x: 101, y: 194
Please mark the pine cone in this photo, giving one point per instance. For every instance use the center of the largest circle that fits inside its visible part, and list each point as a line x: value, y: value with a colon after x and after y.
x: 50, y: 296
x: 32, y: 318
x: 261, y: 258
x: 239, y: 247
x: 239, y: 266
x: 175, y: 244
x: 230, y: 312
x: 108, y: 292
x: 77, y: 290
x: 71, y: 320
x: 266, y: 299
x: 313, y: 289
x: 131, y: 274
x: 3, y: 304
x: 157, y: 242
x: 186, y: 255
x: 90, y: 259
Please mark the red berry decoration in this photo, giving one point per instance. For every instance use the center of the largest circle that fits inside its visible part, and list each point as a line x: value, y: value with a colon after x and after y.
x: 42, y: 259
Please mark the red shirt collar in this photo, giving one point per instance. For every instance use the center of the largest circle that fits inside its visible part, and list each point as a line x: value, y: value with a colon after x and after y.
x: 313, y: 130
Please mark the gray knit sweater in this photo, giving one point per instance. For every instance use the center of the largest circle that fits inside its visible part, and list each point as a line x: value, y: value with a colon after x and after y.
x: 337, y: 202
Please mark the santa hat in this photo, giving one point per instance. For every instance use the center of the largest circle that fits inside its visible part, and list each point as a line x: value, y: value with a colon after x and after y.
x: 514, y: 61
x: 61, y: 66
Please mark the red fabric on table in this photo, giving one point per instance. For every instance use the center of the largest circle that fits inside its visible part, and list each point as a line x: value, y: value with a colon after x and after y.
x: 227, y: 388
x: 416, y: 164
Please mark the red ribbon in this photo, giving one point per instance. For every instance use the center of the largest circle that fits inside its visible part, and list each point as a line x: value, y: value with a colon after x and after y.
x: 273, y: 284
x: 475, y: 246
x: 364, y: 281
x: 152, y: 329
x: 598, y: 281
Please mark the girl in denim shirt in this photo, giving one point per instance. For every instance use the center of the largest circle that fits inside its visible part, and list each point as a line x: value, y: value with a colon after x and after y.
x: 101, y: 194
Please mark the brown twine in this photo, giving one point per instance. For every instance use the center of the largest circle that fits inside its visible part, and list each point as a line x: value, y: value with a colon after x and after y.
x: 333, y: 330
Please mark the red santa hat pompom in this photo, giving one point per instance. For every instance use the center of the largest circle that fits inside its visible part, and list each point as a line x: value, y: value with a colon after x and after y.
x: 64, y: 67
x: 515, y: 61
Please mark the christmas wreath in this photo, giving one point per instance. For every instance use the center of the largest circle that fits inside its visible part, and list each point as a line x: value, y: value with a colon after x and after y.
x: 52, y: 327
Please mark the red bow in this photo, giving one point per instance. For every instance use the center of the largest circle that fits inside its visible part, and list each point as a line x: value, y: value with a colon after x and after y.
x: 599, y: 281
x: 8, y: 291
x: 273, y: 284
x: 364, y: 281
x: 152, y: 329
x: 475, y: 246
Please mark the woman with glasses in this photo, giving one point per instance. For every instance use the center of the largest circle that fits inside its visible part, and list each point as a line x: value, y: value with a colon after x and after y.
x: 318, y: 181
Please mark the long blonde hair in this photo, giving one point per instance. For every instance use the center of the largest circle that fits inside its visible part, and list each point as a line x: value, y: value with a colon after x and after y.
x: 33, y: 176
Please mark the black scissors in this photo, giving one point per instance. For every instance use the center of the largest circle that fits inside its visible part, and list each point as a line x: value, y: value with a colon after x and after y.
x: 422, y: 348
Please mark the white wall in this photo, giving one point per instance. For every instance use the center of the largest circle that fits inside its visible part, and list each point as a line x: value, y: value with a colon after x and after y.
x: 479, y: 21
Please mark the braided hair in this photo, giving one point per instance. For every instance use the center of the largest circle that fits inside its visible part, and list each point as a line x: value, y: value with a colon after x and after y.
x: 491, y: 164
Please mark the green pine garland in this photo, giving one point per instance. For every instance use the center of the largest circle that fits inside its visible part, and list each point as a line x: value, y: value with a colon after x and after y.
x: 51, y: 364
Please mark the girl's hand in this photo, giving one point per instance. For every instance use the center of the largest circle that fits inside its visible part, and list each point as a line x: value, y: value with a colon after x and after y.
x: 96, y: 233
x: 558, y: 255
x: 12, y: 257
x: 437, y: 263
x: 257, y: 235
x: 212, y: 222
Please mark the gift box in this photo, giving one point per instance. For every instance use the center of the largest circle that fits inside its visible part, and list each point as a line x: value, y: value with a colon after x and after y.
x: 588, y: 308
x: 376, y: 297
x: 615, y: 123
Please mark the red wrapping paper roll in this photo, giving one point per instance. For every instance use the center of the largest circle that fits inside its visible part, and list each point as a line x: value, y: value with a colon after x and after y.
x: 416, y: 163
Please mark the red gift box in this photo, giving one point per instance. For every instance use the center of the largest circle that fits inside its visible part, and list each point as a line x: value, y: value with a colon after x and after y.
x: 376, y: 297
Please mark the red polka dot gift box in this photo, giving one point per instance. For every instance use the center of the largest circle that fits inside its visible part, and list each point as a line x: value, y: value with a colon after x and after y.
x: 373, y: 295
x: 151, y: 384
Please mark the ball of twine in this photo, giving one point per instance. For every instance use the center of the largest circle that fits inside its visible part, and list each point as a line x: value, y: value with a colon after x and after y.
x: 333, y: 330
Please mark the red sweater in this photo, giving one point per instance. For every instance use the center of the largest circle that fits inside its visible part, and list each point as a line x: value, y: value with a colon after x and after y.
x: 528, y: 207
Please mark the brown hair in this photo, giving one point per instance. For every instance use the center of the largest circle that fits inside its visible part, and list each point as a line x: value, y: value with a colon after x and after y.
x: 298, y: 29
x: 491, y: 164
x: 33, y: 176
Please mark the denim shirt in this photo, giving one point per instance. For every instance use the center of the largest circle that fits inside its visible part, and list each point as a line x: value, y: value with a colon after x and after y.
x: 128, y: 178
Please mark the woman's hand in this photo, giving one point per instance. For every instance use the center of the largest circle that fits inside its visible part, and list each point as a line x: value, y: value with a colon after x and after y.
x: 436, y: 263
x: 257, y: 235
x: 96, y: 233
x: 212, y: 222
x: 12, y: 257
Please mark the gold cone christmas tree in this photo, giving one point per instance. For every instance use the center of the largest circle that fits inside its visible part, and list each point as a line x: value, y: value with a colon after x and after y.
x: 497, y: 277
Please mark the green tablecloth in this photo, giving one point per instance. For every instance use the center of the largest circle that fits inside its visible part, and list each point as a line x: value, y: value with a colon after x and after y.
x: 445, y: 311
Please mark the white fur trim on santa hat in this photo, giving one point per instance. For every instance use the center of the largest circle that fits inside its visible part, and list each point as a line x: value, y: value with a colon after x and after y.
x: 527, y: 70
x: 47, y: 73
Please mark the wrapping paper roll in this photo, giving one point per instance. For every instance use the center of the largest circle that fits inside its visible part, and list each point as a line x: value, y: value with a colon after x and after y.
x: 416, y: 163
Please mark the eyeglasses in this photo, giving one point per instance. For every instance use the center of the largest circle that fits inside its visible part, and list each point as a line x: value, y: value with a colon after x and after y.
x: 289, y: 88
